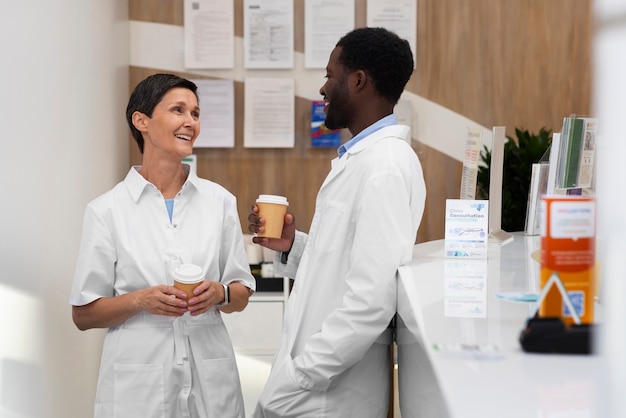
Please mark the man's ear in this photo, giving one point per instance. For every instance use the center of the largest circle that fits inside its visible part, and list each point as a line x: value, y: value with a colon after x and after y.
x: 360, y: 79
x: 139, y: 121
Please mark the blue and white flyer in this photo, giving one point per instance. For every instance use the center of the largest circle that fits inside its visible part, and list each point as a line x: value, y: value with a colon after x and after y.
x: 321, y: 136
x: 467, y: 228
x: 465, y: 288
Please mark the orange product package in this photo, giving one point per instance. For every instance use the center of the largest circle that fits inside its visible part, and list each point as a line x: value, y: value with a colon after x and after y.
x: 568, y: 250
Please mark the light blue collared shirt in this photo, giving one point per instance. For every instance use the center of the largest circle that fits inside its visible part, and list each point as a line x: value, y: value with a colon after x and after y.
x: 381, y: 123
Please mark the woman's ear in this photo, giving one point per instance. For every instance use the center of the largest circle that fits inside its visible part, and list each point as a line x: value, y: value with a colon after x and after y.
x: 139, y: 121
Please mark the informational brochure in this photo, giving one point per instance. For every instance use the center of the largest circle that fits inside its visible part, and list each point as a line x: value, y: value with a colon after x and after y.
x: 269, y: 113
x: 465, y: 288
x: 466, y: 228
x: 217, y: 114
x: 470, y: 162
x: 325, y: 22
x: 321, y: 136
x: 209, y: 28
x: 585, y: 170
x: 268, y: 33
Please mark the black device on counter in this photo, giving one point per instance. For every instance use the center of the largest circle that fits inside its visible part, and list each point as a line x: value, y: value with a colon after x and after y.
x: 265, y: 284
x: 552, y: 335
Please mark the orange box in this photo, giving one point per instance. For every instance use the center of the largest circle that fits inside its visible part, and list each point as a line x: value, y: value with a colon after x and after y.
x: 568, y: 249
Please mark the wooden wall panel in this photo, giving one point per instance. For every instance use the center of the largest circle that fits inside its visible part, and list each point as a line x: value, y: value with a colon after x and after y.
x: 169, y: 12
x: 442, y: 176
x: 513, y: 63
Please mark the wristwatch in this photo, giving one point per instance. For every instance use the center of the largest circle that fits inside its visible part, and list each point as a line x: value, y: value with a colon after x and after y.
x: 226, y: 296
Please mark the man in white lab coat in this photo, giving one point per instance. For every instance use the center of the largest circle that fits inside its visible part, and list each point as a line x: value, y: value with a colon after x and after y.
x: 334, y: 354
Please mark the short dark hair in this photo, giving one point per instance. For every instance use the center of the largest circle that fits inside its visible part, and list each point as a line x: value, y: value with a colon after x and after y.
x: 147, y: 95
x: 383, y: 55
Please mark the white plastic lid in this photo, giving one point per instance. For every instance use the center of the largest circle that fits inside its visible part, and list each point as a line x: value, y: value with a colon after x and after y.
x: 270, y: 198
x: 188, y: 273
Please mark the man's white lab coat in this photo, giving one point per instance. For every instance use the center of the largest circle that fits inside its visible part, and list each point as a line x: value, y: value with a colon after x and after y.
x: 334, y: 358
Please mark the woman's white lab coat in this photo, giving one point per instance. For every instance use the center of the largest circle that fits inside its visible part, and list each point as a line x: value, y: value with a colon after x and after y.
x: 334, y: 358
x: 158, y: 366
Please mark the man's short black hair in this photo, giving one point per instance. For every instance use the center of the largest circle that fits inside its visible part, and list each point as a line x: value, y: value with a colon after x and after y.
x: 148, y: 94
x: 383, y: 55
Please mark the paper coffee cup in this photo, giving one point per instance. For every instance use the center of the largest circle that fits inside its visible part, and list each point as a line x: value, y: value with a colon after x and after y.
x: 187, y: 277
x: 272, y: 208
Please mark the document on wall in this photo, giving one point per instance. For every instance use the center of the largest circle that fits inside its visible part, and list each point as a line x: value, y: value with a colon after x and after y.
x: 398, y: 16
x: 325, y: 21
x: 269, y: 113
x: 209, y: 30
x: 467, y: 228
x: 217, y: 114
x: 268, y: 33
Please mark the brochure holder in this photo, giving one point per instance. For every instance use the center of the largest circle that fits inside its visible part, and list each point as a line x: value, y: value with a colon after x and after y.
x: 496, y: 234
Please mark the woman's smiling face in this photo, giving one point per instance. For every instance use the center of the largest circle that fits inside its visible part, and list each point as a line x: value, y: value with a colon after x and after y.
x: 175, y: 123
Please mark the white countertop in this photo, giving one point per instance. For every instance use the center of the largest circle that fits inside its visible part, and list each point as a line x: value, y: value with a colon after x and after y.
x: 458, y: 348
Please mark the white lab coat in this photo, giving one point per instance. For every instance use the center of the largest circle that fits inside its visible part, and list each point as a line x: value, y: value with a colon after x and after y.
x: 334, y: 358
x: 157, y: 366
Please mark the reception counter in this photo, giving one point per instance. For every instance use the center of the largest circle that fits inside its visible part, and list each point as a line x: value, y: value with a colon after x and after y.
x: 457, y: 333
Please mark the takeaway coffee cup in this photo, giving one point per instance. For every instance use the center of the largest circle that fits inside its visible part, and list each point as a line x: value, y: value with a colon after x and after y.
x: 272, y: 208
x: 187, y: 277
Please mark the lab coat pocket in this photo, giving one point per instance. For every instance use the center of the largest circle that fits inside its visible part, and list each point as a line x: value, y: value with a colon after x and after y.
x: 283, y: 397
x: 221, y: 380
x: 331, y: 226
x: 139, y: 391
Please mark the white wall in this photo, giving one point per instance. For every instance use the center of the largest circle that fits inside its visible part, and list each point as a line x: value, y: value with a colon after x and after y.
x: 610, y: 106
x: 64, y: 78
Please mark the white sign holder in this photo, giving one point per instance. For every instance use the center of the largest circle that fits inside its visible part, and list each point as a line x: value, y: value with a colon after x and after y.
x: 496, y: 234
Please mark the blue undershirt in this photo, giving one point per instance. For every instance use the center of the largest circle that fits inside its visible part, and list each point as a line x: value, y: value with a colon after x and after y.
x: 381, y: 123
x: 169, y: 203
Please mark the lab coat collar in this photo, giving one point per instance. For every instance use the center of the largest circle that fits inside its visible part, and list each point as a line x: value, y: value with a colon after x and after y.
x: 399, y: 131
x: 137, y: 184
x: 338, y: 164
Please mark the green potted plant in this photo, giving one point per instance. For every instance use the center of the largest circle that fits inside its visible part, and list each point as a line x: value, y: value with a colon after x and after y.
x: 519, y: 156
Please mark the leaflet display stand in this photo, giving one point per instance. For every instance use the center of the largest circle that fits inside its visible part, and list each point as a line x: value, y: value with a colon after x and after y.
x: 496, y: 234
